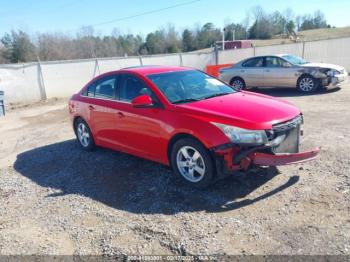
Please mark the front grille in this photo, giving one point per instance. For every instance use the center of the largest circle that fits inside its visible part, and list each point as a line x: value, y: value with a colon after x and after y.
x: 288, y: 125
x: 291, y: 142
x: 291, y: 131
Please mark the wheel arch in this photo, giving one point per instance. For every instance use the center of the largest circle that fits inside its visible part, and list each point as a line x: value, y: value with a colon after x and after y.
x: 75, y: 120
x: 180, y: 136
x: 317, y: 81
x: 303, y: 75
x: 176, y: 138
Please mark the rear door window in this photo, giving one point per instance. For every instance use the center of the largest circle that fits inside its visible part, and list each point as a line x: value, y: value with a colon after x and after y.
x: 254, y: 62
x: 91, y: 90
x: 104, y: 88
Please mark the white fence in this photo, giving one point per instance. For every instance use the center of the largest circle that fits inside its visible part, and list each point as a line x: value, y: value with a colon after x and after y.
x: 334, y: 51
x: 34, y: 81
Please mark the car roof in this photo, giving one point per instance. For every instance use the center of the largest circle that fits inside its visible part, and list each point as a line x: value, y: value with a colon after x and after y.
x: 278, y: 55
x: 150, y: 70
x: 262, y: 56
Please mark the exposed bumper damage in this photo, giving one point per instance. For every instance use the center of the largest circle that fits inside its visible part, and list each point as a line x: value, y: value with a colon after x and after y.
x: 262, y: 159
x: 327, y: 75
x: 333, y: 81
x: 330, y: 79
x: 338, y: 79
x: 282, y: 149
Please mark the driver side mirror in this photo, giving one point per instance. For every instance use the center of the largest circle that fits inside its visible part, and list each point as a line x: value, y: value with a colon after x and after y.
x: 142, y: 101
x: 285, y: 64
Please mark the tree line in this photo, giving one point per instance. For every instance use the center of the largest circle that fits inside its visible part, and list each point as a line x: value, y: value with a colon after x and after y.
x: 19, y: 46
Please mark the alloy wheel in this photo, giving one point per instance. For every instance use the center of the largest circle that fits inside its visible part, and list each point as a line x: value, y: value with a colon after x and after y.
x: 237, y: 84
x: 83, y: 135
x: 306, y: 84
x: 190, y: 163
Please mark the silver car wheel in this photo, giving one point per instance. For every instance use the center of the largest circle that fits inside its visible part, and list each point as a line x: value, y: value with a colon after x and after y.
x: 83, y: 135
x: 190, y: 164
x: 306, y: 84
x: 237, y: 84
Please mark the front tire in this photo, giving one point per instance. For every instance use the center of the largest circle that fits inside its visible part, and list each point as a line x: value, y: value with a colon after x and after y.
x: 307, y: 84
x: 84, y: 135
x: 191, y: 162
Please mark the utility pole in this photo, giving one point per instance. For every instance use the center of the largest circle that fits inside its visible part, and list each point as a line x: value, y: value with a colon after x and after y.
x: 223, y: 39
x: 233, y: 35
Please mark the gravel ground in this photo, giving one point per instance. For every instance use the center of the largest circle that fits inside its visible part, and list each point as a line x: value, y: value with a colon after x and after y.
x: 57, y: 199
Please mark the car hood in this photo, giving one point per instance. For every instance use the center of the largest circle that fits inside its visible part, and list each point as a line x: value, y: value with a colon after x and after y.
x: 242, y: 109
x: 324, y: 65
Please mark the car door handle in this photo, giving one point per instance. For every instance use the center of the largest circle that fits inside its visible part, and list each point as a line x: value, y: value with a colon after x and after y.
x: 91, y: 107
x: 120, y: 114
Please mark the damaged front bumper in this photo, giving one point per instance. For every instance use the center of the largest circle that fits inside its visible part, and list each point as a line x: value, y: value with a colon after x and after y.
x: 263, y: 159
x: 282, y: 149
x: 234, y: 159
x: 336, y: 80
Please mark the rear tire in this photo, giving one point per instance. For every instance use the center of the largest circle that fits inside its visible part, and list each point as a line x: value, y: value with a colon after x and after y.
x: 84, y: 135
x: 307, y: 84
x: 237, y: 83
x: 191, y: 162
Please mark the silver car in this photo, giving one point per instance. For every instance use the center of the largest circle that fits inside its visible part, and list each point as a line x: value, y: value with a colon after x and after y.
x: 282, y: 71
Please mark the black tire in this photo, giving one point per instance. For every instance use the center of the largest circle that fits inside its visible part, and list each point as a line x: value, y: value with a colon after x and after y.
x: 237, y: 83
x: 307, y: 84
x: 89, y: 143
x: 204, y: 160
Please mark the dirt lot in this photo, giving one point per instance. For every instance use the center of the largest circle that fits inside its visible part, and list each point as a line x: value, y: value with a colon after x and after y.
x: 57, y: 199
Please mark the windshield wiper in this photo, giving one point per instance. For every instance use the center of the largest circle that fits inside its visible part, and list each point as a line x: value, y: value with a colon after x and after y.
x: 215, y: 95
x: 185, y: 100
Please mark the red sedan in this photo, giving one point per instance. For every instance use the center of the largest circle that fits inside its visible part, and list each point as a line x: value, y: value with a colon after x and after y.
x: 203, y: 128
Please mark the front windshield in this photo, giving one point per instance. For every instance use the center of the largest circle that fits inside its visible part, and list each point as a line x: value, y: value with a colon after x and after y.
x: 295, y: 59
x: 188, y: 86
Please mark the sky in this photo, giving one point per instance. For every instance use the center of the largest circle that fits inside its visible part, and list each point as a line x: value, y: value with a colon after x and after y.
x: 144, y: 16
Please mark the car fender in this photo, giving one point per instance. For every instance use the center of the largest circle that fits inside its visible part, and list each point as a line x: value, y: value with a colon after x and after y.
x: 205, y: 132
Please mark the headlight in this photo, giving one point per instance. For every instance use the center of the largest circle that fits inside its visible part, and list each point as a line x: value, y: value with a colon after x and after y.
x: 243, y: 136
x: 332, y: 72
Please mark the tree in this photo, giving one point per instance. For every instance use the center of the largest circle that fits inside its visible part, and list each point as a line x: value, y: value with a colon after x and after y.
x: 261, y: 29
x: 172, y: 42
x: 278, y: 23
x: 290, y: 26
x: 315, y: 21
x: 187, y: 41
x: 19, y: 47
x: 208, y: 35
x: 3, y: 59
x: 55, y: 46
x: 238, y: 29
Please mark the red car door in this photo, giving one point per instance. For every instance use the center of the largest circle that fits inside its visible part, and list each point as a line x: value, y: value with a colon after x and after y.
x: 102, y: 110
x: 139, y: 129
